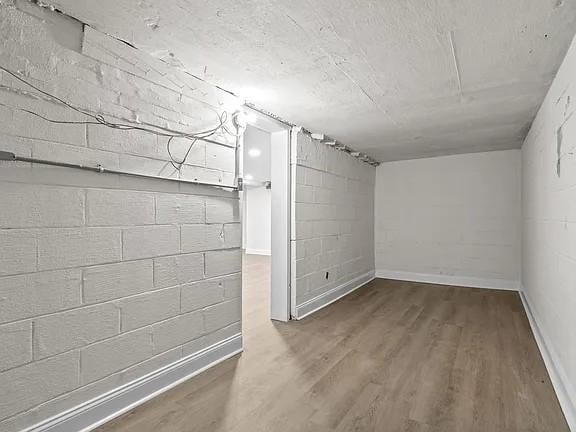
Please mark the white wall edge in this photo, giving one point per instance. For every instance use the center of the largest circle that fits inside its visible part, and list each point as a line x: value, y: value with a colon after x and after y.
x: 329, y: 297
x: 293, y: 165
x: 96, y: 412
x: 463, y: 281
x: 258, y: 252
x: 564, y: 392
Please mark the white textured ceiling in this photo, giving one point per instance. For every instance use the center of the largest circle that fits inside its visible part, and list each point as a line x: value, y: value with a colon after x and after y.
x: 398, y: 79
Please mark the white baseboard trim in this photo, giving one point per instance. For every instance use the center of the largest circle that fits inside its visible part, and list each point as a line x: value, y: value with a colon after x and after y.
x: 565, y: 392
x: 324, y: 299
x: 258, y: 252
x: 463, y: 281
x: 102, y: 409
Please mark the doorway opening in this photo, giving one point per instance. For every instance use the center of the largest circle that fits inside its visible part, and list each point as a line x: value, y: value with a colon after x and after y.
x: 265, y: 202
x: 257, y: 228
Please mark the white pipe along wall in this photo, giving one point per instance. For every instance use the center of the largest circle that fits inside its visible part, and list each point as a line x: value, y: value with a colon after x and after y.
x: 451, y: 220
x: 105, y: 279
x: 549, y: 232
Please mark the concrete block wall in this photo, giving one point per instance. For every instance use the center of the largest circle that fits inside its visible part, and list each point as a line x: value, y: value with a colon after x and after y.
x: 455, y: 218
x: 334, y: 218
x: 105, y: 278
x: 549, y: 228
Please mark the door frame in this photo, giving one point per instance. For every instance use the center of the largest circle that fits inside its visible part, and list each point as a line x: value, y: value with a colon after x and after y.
x: 281, y: 301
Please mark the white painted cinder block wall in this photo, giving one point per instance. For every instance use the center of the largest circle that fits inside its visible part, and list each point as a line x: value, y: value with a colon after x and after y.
x: 334, y: 222
x: 549, y: 228
x: 453, y: 219
x: 104, y: 278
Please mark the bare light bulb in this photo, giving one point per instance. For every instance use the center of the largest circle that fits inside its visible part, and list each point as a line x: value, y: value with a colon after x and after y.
x: 254, y: 152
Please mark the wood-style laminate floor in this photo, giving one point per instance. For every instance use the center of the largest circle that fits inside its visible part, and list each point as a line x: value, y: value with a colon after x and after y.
x: 392, y: 356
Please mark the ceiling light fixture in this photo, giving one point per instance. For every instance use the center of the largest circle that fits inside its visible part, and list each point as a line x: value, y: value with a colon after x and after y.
x: 254, y: 152
x: 242, y: 119
x: 239, y: 119
x: 250, y: 117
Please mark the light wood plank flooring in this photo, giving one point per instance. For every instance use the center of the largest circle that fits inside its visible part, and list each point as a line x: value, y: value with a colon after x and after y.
x: 392, y: 356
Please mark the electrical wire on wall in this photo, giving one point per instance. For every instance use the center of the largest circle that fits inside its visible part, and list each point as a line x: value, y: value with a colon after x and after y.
x: 98, y: 119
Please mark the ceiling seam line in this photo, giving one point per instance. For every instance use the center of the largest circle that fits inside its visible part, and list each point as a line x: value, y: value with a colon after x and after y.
x: 455, y: 60
x: 337, y: 65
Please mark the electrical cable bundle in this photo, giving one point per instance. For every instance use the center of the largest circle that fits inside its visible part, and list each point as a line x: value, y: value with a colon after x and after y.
x: 98, y: 119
